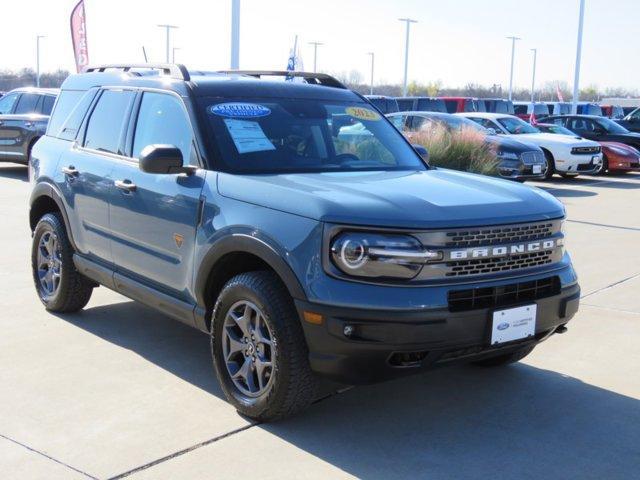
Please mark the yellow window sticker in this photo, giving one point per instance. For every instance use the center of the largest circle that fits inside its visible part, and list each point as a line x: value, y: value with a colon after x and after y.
x: 362, y: 113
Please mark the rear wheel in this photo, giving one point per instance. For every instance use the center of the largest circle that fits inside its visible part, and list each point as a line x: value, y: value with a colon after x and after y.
x: 505, y: 359
x: 61, y: 288
x: 259, y: 351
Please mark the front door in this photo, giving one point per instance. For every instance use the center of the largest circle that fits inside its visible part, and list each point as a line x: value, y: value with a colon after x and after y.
x: 154, y: 216
x: 7, y: 134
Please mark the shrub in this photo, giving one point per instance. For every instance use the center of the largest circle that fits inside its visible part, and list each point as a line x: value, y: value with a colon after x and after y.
x: 463, y: 149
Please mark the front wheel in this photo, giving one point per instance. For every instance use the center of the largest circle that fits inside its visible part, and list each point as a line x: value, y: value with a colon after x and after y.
x: 551, y: 166
x: 259, y: 350
x: 505, y: 359
x: 61, y: 288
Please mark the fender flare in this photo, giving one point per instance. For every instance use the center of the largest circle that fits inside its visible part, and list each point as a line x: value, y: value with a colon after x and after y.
x: 46, y: 189
x: 240, y: 242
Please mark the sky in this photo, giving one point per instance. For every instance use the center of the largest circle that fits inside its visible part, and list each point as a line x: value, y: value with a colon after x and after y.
x: 455, y: 41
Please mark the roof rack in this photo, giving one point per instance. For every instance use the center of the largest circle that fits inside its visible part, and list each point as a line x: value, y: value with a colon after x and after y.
x: 177, y: 71
x: 310, y: 77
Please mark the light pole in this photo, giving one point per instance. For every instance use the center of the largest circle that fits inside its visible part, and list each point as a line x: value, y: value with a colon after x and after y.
x: 533, y: 78
x: 173, y: 54
x: 315, y: 54
x: 576, y: 79
x: 373, y: 56
x: 408, y: 23
x: 235, y: 34
x: 38, y: 37
x: 513, y: 52
x: 168, y: 30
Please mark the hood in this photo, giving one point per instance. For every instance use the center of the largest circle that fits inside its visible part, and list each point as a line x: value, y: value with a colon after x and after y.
x: 510, y: 144
x: 621, y: 146
x: 435, y: 198
x: 554, y: 137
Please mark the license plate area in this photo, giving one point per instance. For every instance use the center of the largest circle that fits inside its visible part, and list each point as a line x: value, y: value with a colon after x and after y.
x: 513, y: 324
x: 537, y: 169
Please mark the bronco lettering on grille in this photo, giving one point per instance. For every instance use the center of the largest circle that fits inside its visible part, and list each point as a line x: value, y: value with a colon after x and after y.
x: 501, y: 251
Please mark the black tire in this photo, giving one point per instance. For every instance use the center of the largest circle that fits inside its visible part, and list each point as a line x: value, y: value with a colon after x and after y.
x: 505, y: 359
x: 566, y: 176
x: 293, y: 385
x: 74, y: 290
x: 605, y: 167
x: 551, y: 165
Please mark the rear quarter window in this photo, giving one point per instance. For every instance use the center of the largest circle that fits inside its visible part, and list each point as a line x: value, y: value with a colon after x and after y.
x: 65, y: 104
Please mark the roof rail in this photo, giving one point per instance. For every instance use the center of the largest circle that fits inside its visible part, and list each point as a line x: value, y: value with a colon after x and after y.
x: 310, y: 77
x: 177, y: 71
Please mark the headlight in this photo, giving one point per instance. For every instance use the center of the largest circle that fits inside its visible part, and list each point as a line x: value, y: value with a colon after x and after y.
x: 374, y: 255
x: 508, y: 155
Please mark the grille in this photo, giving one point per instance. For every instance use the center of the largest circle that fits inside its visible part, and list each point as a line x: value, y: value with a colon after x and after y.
x: 529, y: 158
x: 494, y: 265
x: 496, y: 235
x: 585, y: 150
x: 502, y: 296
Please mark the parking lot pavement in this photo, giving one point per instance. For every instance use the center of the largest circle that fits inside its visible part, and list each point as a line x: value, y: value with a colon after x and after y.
x: 120, y: 389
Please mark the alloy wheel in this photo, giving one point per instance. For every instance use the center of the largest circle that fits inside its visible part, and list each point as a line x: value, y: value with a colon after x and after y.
x: 248, y: 348
x: 49, y: 264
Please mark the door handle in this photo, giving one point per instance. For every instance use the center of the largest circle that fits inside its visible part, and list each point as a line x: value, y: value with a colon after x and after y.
x: 70, y: 170
x: 29, y: 124
x: 125, y: 185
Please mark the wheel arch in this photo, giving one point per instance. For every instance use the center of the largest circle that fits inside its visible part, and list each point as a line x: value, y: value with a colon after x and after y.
x: 46, y: 199
x: 239, y: 253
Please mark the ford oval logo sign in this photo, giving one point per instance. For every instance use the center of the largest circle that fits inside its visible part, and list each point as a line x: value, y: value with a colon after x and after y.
x: 503, y: 326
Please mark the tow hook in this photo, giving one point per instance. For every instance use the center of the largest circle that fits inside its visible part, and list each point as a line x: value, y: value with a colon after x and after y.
x: 561, y: 329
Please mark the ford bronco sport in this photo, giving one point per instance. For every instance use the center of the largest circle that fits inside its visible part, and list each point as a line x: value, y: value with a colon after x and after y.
x: 292, y: 223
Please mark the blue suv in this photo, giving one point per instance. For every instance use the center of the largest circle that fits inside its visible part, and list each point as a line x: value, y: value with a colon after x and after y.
x: 291, y: 222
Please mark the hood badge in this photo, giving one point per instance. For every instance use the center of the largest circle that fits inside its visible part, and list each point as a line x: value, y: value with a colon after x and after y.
x: 179, y: 239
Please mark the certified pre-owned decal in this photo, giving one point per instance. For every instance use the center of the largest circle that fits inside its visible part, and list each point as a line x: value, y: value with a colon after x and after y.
x: 240, y: 110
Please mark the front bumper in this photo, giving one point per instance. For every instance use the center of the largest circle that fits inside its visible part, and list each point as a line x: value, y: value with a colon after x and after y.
x: 580, y: 164
x: 389, y: 343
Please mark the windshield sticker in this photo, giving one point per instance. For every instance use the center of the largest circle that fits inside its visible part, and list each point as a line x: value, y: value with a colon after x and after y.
x: 240, y: 110
x: 248, y: 136
x: 362, y: 113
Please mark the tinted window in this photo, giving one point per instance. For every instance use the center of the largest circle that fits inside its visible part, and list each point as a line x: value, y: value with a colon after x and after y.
x: 581, y: 125
x: 162, y: 119
x: 71, y: 126
x: 540, y: 109
x: 27, y: 103
x: 451, y: 105
x: 398, y: 121
x: 47, y: 104
x: 405, y: 104
x: 520, y: 109
x: 106, y: 124
x: 67, y: 100
x: 7, y: 102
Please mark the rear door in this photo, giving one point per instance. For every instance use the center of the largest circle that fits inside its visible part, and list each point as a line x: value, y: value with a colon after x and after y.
x: 7, y: 135
x: 86, y: 170
x: 154, y: 216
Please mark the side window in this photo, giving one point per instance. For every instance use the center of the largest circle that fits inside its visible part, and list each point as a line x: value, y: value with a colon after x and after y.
x: 580, y: 125
x: 47, y: 104
x: 106, y: 123
x: 415, y: 123
x: 520, y: 109
x: 398, y: 121
x: 162, y: 119
x: 7, y: 102
x: 27, y: 103
x: 67, y: 100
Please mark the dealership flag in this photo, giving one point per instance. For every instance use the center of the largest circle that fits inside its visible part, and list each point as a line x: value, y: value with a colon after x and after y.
x: 79, y: 36
x: 295, y: 60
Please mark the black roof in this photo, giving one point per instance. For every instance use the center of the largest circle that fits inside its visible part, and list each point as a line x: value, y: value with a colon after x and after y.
x: 231, y: 84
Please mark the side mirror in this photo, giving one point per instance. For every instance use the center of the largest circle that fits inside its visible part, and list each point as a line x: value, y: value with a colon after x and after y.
x: 422, y: 152
x: 163, y: 159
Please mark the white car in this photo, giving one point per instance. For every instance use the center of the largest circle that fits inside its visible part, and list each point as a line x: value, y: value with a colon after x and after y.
x: 567, y: 155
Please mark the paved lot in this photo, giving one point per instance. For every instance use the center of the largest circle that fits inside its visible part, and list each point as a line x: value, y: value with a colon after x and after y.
x: 119, y: 390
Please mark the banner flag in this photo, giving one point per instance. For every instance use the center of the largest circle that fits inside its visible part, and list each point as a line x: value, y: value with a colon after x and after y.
x: 79, y: 36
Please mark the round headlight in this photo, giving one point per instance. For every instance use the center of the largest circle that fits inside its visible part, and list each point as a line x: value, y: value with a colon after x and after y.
x: 353, y: 253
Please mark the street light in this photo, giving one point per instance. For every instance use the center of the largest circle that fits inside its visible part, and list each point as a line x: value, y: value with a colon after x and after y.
x: 235, y: 34
x: 173, y: 54
x: 408, y: 23
x: 533, y: 78
x: 168, y: 30
x: 38, y: 37
x: 315, y: 54
x: 576, y: 79
x: 373, y: 55
x: 513, y: 52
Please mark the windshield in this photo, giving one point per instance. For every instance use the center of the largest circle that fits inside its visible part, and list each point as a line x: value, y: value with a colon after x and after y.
x: 278, y: 135
x: 515, y: 126
x: 611, y: 127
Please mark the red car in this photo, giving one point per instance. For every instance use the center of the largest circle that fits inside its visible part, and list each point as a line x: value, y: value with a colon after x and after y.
x: 464, y: 104
x: 617, y: 157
